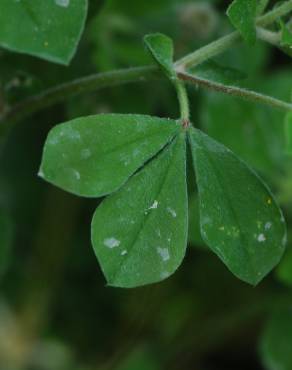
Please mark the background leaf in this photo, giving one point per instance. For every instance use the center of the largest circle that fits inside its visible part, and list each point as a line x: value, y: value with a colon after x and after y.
x: 242, y: 126
x: 47, y: 29
x: 284, y: 270
x: 286, y: 34
x: 288, y: 132
x: 139, y: 234
x: 93, y: 156
x: 239, y: 218
x: 218, y: 73
x: 275, y: 346
x: 242, y: 14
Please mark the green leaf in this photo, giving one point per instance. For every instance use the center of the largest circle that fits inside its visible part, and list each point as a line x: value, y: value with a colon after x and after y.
x: 284, y: 270
x: 242, y: 14
x: 47, y: 29
x: 194, y: 234
x: 93, y: 156
x: 286, y: 35
x: 275, y: 345
x: 240, y: 221
x: 139, y: 234
x: 288, y: 132
x: 261, y: 6
x: 5, y: 241
x: 161, y: 48
x: 215, y: 72
x: 241, y: 126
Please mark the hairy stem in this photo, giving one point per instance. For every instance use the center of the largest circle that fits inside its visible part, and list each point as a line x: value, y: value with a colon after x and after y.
x: 271, y: 37
x: 262, y: 6
x: 224, y: 43
x: 206, y: 52
x: 183, y: 101
x: 275, y: 14
x: 81, y: 85
x: 236, y: 91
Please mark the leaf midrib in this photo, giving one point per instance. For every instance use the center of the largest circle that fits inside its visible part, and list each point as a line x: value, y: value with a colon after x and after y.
x: 147, y: 217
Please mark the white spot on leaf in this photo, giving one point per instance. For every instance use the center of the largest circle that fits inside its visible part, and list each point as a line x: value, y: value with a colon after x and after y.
x: 268, y: 225
x: 164, y: 253
x: 111, y: 242
x: 76, y: 174
x: 164, y: 274
x: 171, y: 211
x: 154, y: 205
x: 63, y: 3
x: 261, y: 238
x: 124, y: 252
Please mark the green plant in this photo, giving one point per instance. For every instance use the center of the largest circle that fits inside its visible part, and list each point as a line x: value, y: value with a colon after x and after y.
x: 139, y: 234
x: 168, y: 182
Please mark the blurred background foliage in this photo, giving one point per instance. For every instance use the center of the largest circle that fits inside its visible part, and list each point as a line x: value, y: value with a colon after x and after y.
x: 55, y: 311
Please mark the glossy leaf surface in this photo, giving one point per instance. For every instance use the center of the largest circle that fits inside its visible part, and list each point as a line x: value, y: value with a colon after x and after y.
x: 47, y: 29
x: 93, y: 156
x: 139, y: 234
x: 239, y: 218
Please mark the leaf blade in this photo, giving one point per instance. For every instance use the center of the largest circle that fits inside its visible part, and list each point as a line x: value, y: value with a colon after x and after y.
x: 50, y: 30
x: 93, y: 156
x: 288, y: 132
x: 161, y: 49
x: 240, y: 221
x: 242, y: 14
x: 275, y: 344
x: 139, y: 234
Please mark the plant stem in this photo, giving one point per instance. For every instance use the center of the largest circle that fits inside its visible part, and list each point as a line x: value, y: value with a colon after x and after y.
x: 81, y: 85
x: 236, y: 91
x: 206, y: 52
x: 262, y: 6
x: 271, y: 37
x: 183, y: 100
x: 275, y: 14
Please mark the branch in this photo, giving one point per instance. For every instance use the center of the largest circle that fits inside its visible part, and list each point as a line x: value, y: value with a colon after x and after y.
x: 224, y: 43
x: 85, y: 84
x: 235, y: 91
x: 273, y: 38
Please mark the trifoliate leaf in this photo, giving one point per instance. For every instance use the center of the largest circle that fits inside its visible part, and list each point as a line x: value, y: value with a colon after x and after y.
x: 139, y: 233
